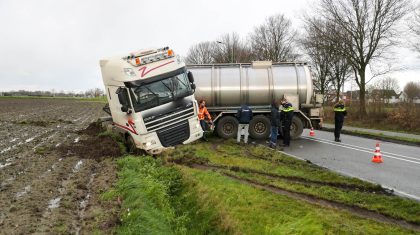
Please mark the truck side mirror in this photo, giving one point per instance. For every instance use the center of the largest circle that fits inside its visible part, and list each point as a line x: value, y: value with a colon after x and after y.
x: 190, y: 77
x: 193, y: 86
x: 122, y: 97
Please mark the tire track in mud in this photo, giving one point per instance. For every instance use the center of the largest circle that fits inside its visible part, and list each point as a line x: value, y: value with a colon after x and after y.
x: 43, y: 190
x: 358, y: 211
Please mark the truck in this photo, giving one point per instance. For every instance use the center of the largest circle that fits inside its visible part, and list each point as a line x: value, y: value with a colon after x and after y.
x: 151, y: 99
x: 225, y: 87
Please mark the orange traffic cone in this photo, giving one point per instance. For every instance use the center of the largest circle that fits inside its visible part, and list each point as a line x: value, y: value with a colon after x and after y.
x: 377, y: 158
x: 312, y: 132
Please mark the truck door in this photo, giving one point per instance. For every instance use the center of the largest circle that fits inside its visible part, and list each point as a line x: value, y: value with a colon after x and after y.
x: 123, y: 115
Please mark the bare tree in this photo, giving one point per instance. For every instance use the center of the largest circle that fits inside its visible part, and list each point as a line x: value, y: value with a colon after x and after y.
x: 383, y: 89
x: 367, y: 31
x: 415, y: 28
x: 318, y: 54
x: 274, y: 40
x: 412, y: 90
x: 201, y: 53
x: 331, y: 67
x: 231, y: 49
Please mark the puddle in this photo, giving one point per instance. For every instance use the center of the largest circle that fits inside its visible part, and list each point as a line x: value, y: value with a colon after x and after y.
x: 13, y: 140
x: 26, y: 190
x: 6, y: 149
x: 5, y: 164
x: 29, y: 140
x: 57, y: 145
x: 76, y: 140
x: 77, y: 166
x: 54, y: 203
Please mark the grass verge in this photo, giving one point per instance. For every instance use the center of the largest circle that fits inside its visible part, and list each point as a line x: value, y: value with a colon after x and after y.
x: 248, y: 210
x: 155, y: 200
x: 273, y: 168
x: 379, y: 136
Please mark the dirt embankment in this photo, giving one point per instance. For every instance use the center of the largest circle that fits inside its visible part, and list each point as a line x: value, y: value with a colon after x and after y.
x: 52, y: 174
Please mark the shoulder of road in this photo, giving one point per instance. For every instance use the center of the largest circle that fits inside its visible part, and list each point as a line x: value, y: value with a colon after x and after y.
x: 404, y: 138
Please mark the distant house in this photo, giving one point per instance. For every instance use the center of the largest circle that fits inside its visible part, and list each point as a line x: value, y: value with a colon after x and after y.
x: 386, y: 96
x: 353, y: 95
x: 404, y: 98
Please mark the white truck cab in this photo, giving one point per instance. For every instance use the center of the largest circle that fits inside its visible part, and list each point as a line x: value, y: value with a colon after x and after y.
x: 151, y: 99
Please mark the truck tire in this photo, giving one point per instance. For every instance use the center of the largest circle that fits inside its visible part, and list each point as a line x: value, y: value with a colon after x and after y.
x: 227, y: 127
x: 296, y: 128
x: 131, y: 146
x: 259, y: 127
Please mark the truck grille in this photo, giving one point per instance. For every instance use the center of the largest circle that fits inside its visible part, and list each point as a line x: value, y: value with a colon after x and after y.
x: 168, y: 119
x: 175, y: 134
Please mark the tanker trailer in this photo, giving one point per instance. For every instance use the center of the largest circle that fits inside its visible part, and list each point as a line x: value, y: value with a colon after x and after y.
x: 226, y: 86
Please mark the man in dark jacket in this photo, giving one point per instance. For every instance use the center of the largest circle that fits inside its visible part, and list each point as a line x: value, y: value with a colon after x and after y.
x: 275, y: 123
x: 244, y: 116
x: 286, y: 116
x: 340, y: 113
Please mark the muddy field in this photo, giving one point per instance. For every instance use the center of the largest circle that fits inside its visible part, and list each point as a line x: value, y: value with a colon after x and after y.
x: 45, y: 185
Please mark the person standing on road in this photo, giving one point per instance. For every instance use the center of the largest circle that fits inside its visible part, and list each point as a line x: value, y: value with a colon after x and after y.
x: 244, y: 116
x: 202, y: 114
x: 275, y: 123
x: 340, y: 113
x: 286, y: 116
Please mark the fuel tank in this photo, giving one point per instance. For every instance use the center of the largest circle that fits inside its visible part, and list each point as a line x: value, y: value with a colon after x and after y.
x: 255, y: 84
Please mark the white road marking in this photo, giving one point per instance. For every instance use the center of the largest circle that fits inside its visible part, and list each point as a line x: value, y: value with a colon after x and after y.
x: 362, y: 150
x: 388, y: 153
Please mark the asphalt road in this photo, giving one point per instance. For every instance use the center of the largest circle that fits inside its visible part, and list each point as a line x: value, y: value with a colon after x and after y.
x: 400, y: 170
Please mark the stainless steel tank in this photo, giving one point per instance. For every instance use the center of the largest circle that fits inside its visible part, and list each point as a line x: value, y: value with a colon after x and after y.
x: 223, y: 85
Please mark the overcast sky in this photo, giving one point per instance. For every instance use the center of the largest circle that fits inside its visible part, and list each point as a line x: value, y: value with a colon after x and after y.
x: 52, y: 44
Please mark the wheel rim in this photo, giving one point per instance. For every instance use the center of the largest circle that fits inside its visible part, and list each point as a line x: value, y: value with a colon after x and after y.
x: 260, y: 128
x: 228, y: 128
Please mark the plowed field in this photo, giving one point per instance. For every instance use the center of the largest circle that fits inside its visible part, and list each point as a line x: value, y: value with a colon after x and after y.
x: 44, y: 189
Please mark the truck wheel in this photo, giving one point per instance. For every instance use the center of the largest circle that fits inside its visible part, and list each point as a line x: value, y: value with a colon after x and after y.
x: 259, y: 127
x: 296, y: 128
x: 130, y: 145
x: 227, y: 127
x: 132, y: 148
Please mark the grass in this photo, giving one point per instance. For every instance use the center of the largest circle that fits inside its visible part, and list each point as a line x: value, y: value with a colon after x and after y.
x: 168, y: 195
x: 381, y: 136
x: 247, y: 210
x: 156, y: 201
x: 312, y: 180
x: 373, y: 120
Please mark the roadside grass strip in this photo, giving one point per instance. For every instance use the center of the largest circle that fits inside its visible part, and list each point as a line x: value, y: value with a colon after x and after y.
x: 278, y: 170
x: 248, y: 210
x: 154, y: 200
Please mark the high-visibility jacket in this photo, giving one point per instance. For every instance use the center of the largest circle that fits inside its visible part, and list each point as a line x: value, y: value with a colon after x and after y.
x: 202, y: 112
x: 340, y: 111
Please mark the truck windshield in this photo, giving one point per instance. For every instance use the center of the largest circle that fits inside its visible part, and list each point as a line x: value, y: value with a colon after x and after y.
x: 160, y: 92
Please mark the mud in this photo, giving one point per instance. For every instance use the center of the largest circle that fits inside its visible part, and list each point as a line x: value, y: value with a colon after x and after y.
x: 42, y: 189
x: 364, y: 213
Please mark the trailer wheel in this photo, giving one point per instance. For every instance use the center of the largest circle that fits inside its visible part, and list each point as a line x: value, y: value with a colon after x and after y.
x: 227, y: 127
x: 259, y: 127
x: 296, y: 128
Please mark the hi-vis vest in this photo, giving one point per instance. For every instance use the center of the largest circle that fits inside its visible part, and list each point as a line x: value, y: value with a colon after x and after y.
x: 203, y: 112
x: 339, y: 109
x: 288, y: 109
